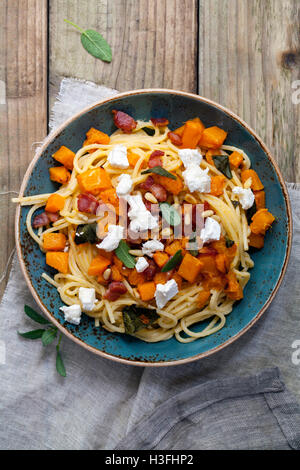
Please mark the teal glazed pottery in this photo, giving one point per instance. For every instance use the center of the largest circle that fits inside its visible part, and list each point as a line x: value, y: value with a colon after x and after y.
x: 270, y: 262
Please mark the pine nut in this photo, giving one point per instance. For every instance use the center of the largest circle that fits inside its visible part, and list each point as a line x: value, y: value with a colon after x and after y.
x: 207, y: 214
x: 248, y: 183
x: 106, y: 274
x: 166, y: 232
x: 136, y: 252
x: 151, y: 198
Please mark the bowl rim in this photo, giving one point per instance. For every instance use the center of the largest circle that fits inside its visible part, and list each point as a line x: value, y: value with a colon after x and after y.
x: 114, y: 357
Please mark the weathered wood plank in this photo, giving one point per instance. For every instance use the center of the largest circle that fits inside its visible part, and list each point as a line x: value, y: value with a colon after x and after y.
x: 249, y: 58
x: 154, y: 43
x: 23, y: 100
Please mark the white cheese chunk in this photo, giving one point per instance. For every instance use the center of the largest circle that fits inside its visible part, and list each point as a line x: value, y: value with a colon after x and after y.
x: 190, y: 157
x: 141, y: 264
x: 141, y: 219
x: 165, y: 292
x: 151, y: 247
x: 114, y: 236
x: 72, y: 313
x: 125, y: 185
x: 246, y: 197
x: 211, y: 230
x: 197, y: 179
x: 117, y: 157
x: 87, y: 298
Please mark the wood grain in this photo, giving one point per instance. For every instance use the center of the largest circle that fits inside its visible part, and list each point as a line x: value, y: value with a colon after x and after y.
x: 154, y: 43
x: 249, y: 57
x: 23, y: 108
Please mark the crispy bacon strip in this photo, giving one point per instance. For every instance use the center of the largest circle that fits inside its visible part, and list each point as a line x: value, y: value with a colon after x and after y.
x: 123, y: 121
x: 155, y: 159
x: 160, y: 122
x: 174, y: 138
x: 115, y: 290
x: 87, y: 203
x: 40, y: 220
x: 159, y: 192
x: 146, y: 185
x: 150, y: 272
x: 52, y: 216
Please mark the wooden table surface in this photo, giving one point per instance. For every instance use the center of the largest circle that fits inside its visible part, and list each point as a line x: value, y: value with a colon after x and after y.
x: 244, y: 54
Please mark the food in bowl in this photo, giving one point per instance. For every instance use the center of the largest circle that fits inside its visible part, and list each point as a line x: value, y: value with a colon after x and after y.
x: 150, y: 229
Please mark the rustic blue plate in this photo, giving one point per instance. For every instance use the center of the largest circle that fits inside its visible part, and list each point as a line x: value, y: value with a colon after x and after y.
x: 270, y: 262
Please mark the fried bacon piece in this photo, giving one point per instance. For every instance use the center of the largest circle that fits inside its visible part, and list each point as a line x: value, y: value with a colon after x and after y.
x: 155, y: 159
x: 175, y: 139
x: 87, y: 203
x: 160, y: 122
x: 40, y: 220
x: 123, y: 121
x: 150, y: 272
x: 159, y: 192
x: 115, y: 290
x: 52, y: 216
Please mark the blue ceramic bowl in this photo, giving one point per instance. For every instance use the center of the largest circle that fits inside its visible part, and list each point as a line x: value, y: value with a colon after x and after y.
x: 270, y: 262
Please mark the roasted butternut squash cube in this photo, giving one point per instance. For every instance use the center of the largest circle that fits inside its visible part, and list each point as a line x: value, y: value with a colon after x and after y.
x: 54, y: 241
x: 190, y: 267
x: 98, y: 265
x: 59, y: 174
x: 212, y: 137
x: 58, y: 260
x: 147, y: 290
x: 65, y: 156
x: 94, y: 181
x: 55, y: 203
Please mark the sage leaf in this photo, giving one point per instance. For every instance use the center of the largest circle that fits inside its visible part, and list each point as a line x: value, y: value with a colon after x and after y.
x: 170, y: 214
x: 86, y: 233
x: 122, y: 252
x: 49, y: 336
x: 193, y: 239
x: 34, y: 334
x: 35, y: 316
x: 135, y: 318
x: 222, y: 164
x: 159, y: 170
x: 228, y: 242
x: 60, y: 367
x: 149, y: 130
x: 94, y: 43
x: 250, y: 212
x: 176, y: 259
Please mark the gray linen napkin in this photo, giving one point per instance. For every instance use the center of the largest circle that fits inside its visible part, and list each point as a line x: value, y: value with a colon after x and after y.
x: 100, y: 402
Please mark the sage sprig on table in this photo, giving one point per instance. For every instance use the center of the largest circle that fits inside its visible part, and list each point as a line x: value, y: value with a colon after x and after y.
x: 94, y: 43
x: 46, y: 335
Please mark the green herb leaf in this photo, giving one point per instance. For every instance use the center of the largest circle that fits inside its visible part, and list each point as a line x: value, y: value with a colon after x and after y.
x: 135, y: 318
x: 60, y: 367
x: 122, y: 253
x: 222, y: 164
x: 228, y: 242
x: 159, y: 170
x: 176, y: 259
x: 35, y: 316
x: 94, y: 43
x: 49, y: 336
x: 192, y: 239
x: 250, y: 212
x: 149, y: 130
x: 86, y: 233
x: 170, y: 214
x: 34, y: 334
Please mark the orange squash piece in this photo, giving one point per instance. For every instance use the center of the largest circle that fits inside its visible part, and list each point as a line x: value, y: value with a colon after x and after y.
x: 212, y: 137
x: 217, y: 185
x: 58, y: 260
x: 123, y: 270
x: 260, y: 199
x: 54, y: 241
x: 172, y: 186
x: 256, y: 184
x: 235, y: 160
x: 94, y: 181
x: 115, y: 274
x: 179, y: 131
x: 209, y: 157
x: 202, y: 298
x: 161, y: 278
x: 64, y: 156
x: 234, y: 290
x: 261, y: 221
x: 55, y: 203
x: 190, y: 267
x: 208, y: 264
x: 94, y: 136
x: 59, y: 174
x: 98, y: 266
x: 256, y: 240
x: 160, y: 258
x: 105, y: 254
x: 109, y: 196
x: 192, y: 133
x: 173, y: 247
x: 133, y: 158
x: 147, y: 290
x: 215, y: 282
x: 221, y: 263
x: 136, y: 278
